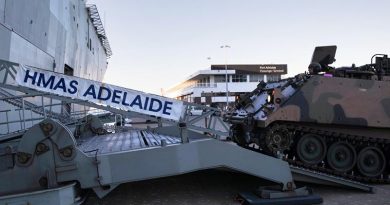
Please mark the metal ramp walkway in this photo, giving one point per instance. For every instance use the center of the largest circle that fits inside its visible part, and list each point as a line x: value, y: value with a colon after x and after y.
x: 103, y: 162
x: 306, y: 175
x: 125, y: 141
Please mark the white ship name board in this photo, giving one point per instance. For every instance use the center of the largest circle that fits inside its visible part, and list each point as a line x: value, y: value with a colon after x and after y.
x: 100, y: 93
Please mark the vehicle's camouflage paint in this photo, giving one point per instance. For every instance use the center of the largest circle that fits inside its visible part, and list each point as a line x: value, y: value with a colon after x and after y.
x: 335, y: 100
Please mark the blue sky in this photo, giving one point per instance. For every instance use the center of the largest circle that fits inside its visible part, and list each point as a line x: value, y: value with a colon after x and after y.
x: 157, y: 44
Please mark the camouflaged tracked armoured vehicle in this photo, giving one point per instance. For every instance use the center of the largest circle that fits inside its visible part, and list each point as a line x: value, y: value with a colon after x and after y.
x: 332, y: 120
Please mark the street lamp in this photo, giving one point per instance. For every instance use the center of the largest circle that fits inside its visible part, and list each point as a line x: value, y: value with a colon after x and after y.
x: 226, y: 76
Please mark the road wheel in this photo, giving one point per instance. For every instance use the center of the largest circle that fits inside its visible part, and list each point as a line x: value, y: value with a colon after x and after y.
x: 341, y: 156
x: 311, y: 149
x: 371, y: 161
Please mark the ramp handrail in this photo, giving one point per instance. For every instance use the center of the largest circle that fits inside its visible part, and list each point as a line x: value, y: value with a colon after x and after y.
x: 210, y: 115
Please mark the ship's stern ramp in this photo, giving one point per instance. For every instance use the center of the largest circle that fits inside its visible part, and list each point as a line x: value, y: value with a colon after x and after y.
x: 48, y: 156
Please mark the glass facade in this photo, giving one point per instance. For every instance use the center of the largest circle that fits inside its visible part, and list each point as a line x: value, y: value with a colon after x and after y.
x: 273, y: 78
x: 219, y: 78
x: 239, y: 78
x: 256, y: 78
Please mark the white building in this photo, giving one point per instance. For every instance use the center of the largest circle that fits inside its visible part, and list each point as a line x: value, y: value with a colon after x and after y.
x: 209, y: 86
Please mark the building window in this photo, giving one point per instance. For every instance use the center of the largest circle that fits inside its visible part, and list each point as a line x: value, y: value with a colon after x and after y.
x: 239, y: 78
x: 220, y: 78
x: 256, y: 78
x: 273, y: 78
x: 68, y: 70
x: 204, y: 82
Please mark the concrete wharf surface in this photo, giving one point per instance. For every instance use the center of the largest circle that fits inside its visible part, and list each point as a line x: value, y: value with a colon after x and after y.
x: 219, y: 187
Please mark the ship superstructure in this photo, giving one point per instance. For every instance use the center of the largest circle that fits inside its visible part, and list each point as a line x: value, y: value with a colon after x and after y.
x: 64, y: 36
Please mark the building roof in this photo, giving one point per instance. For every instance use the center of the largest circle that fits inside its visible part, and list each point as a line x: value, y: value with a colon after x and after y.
x: 201, y: 73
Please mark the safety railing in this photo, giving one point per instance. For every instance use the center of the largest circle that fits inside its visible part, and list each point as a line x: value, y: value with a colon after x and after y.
x: 205, y: 85
x: 26, y: 112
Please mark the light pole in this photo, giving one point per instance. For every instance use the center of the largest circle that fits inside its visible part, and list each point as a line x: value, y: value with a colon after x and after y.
x: 226, y: 76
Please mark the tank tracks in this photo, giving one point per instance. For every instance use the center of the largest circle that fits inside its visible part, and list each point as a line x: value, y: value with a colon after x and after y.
x: 331, y: 137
